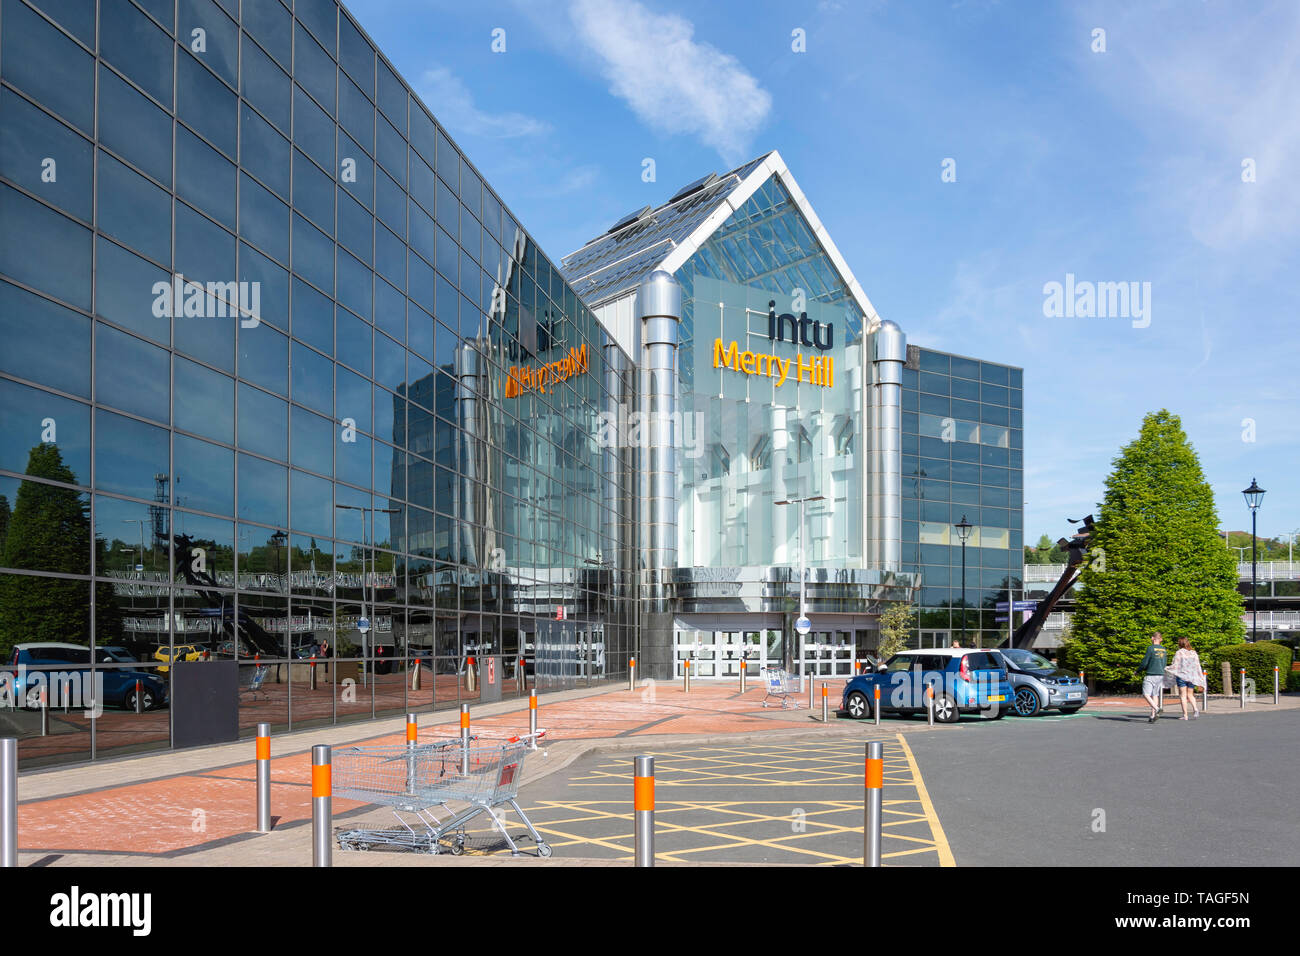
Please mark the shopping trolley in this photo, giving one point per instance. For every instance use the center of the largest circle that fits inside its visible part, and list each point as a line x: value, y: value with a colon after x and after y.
x: 417, y: 779
x: 782, y: 685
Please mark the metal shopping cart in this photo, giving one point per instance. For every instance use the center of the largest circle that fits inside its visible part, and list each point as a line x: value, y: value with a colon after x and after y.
x: 782, y: 685
x: 416, y: 779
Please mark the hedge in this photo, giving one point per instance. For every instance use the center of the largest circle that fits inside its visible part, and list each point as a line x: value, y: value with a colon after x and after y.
x: 1258, y: 659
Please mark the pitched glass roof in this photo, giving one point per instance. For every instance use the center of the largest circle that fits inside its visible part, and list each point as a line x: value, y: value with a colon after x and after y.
x: 619, y: 260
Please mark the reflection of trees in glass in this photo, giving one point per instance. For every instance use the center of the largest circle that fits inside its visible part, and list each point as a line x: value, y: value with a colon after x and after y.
x: 4, y: 522
x: 49, y: 530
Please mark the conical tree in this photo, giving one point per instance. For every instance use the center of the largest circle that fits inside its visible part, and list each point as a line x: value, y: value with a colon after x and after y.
x: 49, y: 530
x: 1157, y: 562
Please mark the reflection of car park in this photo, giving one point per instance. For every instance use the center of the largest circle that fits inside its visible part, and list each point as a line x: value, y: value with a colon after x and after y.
x: 119, y: 684
x: 114, y: 655
x: 964, y: 680
x: 181, y: 652
x: 1037, y: 684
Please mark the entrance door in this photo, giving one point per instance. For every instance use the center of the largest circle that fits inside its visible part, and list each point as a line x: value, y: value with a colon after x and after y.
x: 936, y: 639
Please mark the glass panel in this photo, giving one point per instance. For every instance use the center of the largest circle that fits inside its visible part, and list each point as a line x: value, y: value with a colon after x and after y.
x: 311, y: 379
x: 313, y: 130
x: 271, y: 24
x: 263, y: 219
x: 34, y: 146
x: 312, y: 441
x: 205, y: 178
x: 313, y: 504
x: 265, y: 85
x: 43, y: 62
x: 220, y: 36
x: 41, y: 248
x: 128, y: 454
x: 204, y: 401
x: 313, y: 317
x: 264, y: 358
x: 263, y: 423
x: 134, y: 210
x: 205, y: 476
x: 313, y: 193
x: 30, y: 418
x: 118, y: 283
x: 145, y: 391
x: 206, y: 104
x: 313, y: 254
x: 44, y: 342
x: 133, y: 127
x: 263, y: 489
x: 264, y: 152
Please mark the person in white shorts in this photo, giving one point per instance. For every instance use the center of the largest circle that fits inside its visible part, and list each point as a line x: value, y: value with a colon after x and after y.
x: 1153, y: 675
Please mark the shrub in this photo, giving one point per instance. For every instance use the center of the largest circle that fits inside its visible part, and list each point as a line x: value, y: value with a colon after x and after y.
x: 1258, y: 659
x: 1293, y: 681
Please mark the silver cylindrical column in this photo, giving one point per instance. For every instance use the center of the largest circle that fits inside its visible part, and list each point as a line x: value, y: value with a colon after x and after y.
x: 8, y: 801
x: 464, y: 740
x: 322, y: 811
x: 263, y: 753
x: 532, y: 717
x: 884, y: 537
x: 660, y: 305
x: 643, y: 802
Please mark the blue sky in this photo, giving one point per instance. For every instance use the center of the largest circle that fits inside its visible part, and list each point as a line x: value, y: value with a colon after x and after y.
x: 1122, y: 165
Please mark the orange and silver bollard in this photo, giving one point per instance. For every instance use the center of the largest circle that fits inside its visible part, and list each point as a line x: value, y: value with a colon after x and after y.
x: 464, y: 740
x: 826, y: 718
x: 263, y: 753
x: 532, y: 717
x: 139, y: 695
x: 1243, y: 688
x: 877, y: 696
x: 8, y: 801
x: 322, y: 840
x: 1276, y: 688
x: 871, y: 811
x: 415, y: 674
x: 1205, y: 692
x: 45, y: 708
x: 631, y: 673
x: 929, y: 703
x: 643, y: 804
x: 412, y: 735
x: 743, y: 673
x: 311, y: 673
x: 686, y: 676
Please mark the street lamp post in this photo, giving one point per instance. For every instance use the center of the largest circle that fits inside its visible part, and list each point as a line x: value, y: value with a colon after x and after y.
x: 963, y: 532
x: 803, y: 604
x: 1253, y: 495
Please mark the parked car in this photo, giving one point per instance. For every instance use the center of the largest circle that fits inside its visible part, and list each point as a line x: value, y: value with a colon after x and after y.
x: 1038, y: 685
x: 114, y: 655
x: 119, y: 683
x: 965, y: 681
x: 181, y: 652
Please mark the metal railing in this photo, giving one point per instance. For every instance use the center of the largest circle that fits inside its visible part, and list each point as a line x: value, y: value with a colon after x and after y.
x: 1265, y: 571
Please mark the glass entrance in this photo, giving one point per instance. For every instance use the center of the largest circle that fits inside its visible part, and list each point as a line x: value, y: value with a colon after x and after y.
x: 718, y: 653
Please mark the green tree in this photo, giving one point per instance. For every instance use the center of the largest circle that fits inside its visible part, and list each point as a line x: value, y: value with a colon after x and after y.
x: 4, y: 522
x: 895, y: 626
x: 1156, y: 562
x: 49, y: 530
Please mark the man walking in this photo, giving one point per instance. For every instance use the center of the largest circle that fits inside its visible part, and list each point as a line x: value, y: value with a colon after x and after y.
x: 1153, y: 675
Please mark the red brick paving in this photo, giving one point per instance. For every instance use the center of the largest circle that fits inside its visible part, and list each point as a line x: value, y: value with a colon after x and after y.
x: 190, y: 810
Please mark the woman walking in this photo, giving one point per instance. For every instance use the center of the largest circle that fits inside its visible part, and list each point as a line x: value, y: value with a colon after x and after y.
x: 1188, y: 677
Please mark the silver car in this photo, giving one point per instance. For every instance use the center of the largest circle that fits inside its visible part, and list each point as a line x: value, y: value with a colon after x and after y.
x: 1038, y: 685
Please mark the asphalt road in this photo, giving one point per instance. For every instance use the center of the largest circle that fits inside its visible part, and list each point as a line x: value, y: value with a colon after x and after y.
x: 1220, y: 790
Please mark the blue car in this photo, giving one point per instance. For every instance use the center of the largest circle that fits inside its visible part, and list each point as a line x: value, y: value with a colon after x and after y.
x: 964, y: 681
x: 119, y: 684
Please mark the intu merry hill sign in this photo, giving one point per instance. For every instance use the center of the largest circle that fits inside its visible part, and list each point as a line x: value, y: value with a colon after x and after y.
x: 817, y: 370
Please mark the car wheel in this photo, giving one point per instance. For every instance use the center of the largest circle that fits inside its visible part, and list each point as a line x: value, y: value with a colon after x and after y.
x: 945, y: 709
x: 857, y: 705
x: 147, y: 700
x: 1027, y: 702
x: 1074, y: 709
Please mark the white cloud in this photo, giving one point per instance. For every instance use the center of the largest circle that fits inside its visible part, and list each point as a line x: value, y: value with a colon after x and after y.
x: 453, y: 104
x: 673, y: 82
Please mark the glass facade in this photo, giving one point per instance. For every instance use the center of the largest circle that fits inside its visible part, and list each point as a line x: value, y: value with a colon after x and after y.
x: 280, y: 366
x: 963, y: 456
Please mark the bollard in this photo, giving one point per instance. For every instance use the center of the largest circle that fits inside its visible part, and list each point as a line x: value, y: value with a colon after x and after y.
x: 415, y: 676
x: 1205, y: 692
x: 532, y: 717
x: 8, y: 801
x: 263, y: 754
x: 67, y: 687
x: 464, y: 740
x: 871, y: 811
x: 825, y: 703
x: 521, y: 677
x: 631, y: 674
x: 743, y: 675
x: 1275, y: 687
x: 322, y: 842
x: 139, y: 694
x: 877, y: 695
x: 45, y: 710
x: 643, y: 803
x: 311, y: 674
x: 686, y: 677
x: 412, y: 732
x: 929, y: 703
x: 1243, y: 688
x: 810, y: 691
